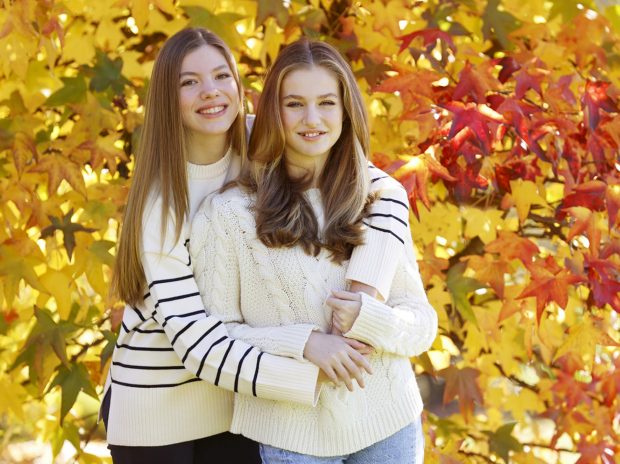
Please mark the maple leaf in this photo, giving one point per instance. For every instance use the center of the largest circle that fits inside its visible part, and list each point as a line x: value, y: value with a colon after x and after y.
x: 502, y: 442
x: 430, y: 38
x: 72, y: 380
x: 582, y: 221
x: 414, y: 175
x: 526, y: 81
x: 431, y: 265
x: 510, y: 246
x: 475, y: 83
x: 58, y: 168
x: 590, y: 195
x: 490, y: 271
x: 410, y: 83
x: 464, y: 384
x: 498, y: 24
x: 594, y: 99
x: 604, y: 279
x: 68, y: 229
x: 474, y: 118
x: 595, y: 453
x: 509, y: 66
x: 612, y: 198
x: 548, y: 283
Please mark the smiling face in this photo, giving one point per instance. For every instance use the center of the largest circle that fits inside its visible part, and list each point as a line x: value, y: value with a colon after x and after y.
x: 208, y: 95
x: 311, y: 110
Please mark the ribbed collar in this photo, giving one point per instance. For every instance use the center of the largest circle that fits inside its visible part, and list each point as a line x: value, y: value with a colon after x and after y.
x: 208, y: 171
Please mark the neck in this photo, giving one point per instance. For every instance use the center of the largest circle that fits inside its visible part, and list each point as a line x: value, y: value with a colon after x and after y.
x: 298, y: 168
x: 206, y: 149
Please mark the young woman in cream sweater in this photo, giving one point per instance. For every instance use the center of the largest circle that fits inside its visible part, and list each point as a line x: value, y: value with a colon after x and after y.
x: 283, y: 236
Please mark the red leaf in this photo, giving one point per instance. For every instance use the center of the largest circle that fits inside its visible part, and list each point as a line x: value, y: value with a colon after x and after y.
x: 548, y: 283
x: 596, y: 98
x: 475, y: 83
x: 589, y: 195
x: 510, y: 246
x: 509, y: 66
x: 527, y: 81
x: 604, y: 279
x: 475, y: 118
x: 612, y: 198
x: 464, y: 384
x: 430, y: 37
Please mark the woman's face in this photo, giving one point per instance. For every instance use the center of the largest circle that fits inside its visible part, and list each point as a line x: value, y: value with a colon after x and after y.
x: 311, y: 110
x: 209, y: 96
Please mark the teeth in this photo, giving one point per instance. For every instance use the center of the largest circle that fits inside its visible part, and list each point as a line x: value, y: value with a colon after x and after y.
x: 311, y: 134
x: 213, y: 110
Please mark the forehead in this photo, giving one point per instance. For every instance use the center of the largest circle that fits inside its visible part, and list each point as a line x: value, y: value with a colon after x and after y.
x: 203, y: 59
x: 310, y: 82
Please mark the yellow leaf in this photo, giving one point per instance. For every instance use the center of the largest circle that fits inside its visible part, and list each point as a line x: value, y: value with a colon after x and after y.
x: 140, y: 12
x: 60, y: 286
x: 482, y: 223
x: 12, y: 397
x: 525, y: 194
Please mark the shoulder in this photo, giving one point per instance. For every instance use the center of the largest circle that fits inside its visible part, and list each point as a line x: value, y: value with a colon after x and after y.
x: 219, y: 206
x: 385, y: 186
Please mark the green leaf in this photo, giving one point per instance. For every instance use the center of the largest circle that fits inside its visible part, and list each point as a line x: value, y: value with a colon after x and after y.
x: 107, y: 74
x: 101, y: 249
x: 460, y: 288
x: 501, y: 442
x: 72, y: 381
x: 273, y: 8
x: 73, y: 91
x: 68, y: 230
x: 499, y: 24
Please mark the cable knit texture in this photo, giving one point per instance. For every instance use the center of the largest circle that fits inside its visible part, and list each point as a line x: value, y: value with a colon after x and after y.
x: 236, y: 271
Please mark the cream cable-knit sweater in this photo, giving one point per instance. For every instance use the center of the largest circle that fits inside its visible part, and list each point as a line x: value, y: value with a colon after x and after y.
x: 235, y: 271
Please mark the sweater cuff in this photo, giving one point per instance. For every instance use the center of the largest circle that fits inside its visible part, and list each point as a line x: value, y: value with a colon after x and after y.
x: 374, y: 263
x: 292, y: 339
x: 371, y: 324
x: 301, y: 384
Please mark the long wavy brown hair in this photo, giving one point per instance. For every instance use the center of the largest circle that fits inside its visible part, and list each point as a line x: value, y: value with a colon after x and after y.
x: 161, y: 157
x: 283, y: 215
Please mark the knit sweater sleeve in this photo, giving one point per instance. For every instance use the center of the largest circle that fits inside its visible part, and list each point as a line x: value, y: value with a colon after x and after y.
x: 201, y: 340
x: 214, y: 251
x: 406, y: 324
x: 374, y: 263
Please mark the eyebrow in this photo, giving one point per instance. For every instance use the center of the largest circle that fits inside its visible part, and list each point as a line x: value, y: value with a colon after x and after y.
x: 299, y: 97
x: 193, y: 73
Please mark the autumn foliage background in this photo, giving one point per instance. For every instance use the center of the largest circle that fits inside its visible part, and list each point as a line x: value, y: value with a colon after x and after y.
x: 500, y: 117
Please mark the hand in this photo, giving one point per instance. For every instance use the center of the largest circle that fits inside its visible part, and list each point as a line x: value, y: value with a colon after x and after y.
x: 346, y: 307
x: 341, y: 359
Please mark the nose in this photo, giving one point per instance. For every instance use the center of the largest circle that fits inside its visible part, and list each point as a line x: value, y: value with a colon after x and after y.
x: 312, y: 117
x: 209, y: 90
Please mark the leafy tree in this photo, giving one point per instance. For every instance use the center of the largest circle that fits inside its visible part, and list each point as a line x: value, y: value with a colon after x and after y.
x: 501, y: 119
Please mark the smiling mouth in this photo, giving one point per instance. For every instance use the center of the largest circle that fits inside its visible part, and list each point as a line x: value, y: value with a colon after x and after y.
x: 213, y: 110
x: 311, y: 134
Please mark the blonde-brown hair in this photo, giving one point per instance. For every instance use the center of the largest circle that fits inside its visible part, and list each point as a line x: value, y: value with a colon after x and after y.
x: 161, y: 157
x: 283, y: 215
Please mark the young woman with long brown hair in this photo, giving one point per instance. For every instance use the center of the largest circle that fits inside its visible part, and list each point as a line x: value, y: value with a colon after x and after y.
x: 283, y: 235
x: 161, y: 401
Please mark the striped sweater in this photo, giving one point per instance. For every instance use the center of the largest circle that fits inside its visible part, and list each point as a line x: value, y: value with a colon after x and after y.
x: 174, y: 367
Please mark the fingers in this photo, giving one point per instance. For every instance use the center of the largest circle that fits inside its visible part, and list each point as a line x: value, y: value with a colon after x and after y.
x: 354, y: 371
x: 343, y: 374
x: 344, y: 295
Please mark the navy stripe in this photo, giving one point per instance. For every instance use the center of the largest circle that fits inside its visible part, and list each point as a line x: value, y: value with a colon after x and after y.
x: 178, y: 297
x: 180, y: 332
x: 142, y: 331
x: 143, y: 348
x: 148, y: 368
x: 161, y: 385
x: 388, y: 216
x: 139, y: 314
x: 256, y: 373
x: 386, y: 230
x: 395, y: 201
x: 193, y: 313
x: 219, y: 370
x: 236, y: 390
x: 186, y: 242
x: 378, y: 178
x: 199, y: 340
x: 204, y: 358
x: 175, y: 279
x: 146, y: 296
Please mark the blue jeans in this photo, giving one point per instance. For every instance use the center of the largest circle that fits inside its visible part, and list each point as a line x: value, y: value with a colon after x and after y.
x: 404, y: 447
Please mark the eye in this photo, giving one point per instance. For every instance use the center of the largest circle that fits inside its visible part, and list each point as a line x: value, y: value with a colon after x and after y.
x: 293, y: 104
x: 188, y: 82
x: 223, y: 75
x: 328, y: 103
